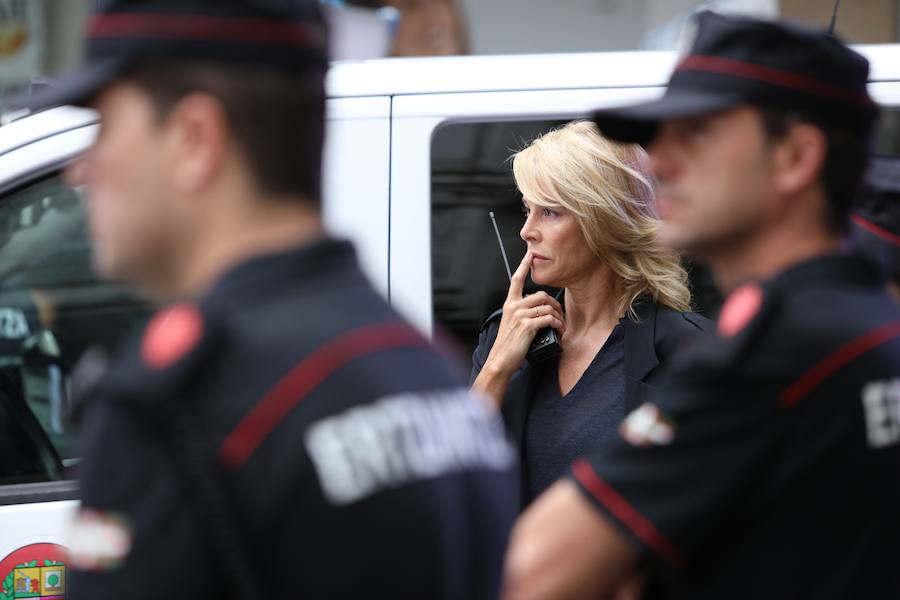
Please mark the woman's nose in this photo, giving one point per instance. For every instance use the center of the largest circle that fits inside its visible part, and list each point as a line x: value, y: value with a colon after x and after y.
x: 528, y: 231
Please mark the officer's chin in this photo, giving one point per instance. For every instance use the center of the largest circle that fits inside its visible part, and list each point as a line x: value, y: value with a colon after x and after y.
x: 684, y: 240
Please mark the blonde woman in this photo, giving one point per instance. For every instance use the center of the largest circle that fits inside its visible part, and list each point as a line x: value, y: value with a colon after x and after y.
x: 622, y: 312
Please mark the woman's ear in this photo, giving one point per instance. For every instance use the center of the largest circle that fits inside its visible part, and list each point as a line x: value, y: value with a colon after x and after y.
x: 799, y: 158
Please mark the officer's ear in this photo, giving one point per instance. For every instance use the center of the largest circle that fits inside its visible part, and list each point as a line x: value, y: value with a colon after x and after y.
x: 196, y: 142
x: 798, y: 159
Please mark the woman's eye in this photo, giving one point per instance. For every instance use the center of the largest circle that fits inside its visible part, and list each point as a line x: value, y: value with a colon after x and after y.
x: 548, y: 213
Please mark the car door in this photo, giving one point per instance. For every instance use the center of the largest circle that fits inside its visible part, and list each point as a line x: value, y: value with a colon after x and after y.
x: 356, y: 179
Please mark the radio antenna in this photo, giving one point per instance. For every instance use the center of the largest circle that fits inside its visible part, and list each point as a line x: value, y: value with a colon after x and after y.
x: 837, y: 4
x: 502, y: 249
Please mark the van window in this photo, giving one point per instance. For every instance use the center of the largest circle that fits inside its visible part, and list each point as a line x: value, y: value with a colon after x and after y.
x: 52, y: 309
x: 887, y: 136
x: 471, y: 174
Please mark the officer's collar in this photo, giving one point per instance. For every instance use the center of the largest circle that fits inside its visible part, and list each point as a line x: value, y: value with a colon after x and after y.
x: 290, y: 266
x: 844, y: 266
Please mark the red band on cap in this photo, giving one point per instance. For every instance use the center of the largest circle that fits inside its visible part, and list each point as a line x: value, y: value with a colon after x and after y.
x: 876, y: 230
x: 205, y: 29
x: 772, y: 76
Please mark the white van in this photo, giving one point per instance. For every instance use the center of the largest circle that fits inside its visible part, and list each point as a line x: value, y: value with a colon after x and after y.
x: 415, y: 158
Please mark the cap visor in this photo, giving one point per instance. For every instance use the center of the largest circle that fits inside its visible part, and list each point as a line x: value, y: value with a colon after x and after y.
x: 638, y: 123
x: 75, y: 89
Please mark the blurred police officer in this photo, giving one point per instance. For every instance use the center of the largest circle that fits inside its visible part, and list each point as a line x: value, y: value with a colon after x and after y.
x: 876, y: 217
x: 277, y: 430
x: 770, y: 468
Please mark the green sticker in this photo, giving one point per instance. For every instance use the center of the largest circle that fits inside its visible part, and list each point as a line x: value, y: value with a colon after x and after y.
x: 7, y: 592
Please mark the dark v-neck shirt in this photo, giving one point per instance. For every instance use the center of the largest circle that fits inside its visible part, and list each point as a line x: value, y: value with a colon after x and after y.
x: 560, y: 429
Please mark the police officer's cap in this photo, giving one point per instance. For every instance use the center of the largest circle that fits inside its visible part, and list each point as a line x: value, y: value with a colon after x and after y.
x: 740, y: 60
x: 287, y: 34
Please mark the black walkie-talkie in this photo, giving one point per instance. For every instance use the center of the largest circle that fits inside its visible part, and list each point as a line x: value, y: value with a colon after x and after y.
x: 546, y: 341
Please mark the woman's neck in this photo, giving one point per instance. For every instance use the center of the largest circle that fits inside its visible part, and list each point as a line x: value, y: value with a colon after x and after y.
x: 591, y: 302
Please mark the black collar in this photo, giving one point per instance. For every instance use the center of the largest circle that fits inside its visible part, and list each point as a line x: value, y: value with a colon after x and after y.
x: 301, y: 265
x: 849, y: 268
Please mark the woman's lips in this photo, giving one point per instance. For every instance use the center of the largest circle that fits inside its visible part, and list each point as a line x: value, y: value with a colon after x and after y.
x: 539, y: 258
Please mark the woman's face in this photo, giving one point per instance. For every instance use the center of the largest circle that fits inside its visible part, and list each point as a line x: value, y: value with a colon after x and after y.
x: 561, y: 254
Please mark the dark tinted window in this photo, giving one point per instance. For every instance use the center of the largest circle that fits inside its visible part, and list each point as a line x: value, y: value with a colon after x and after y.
x: 52, y: 309
x: 470, y: 176
x: 887, y: 137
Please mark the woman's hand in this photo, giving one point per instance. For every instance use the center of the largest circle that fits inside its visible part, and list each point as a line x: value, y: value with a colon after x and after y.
x: 521, y: 320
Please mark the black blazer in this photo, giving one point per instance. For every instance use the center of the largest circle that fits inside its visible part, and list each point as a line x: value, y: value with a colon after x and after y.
x: 656, y: 337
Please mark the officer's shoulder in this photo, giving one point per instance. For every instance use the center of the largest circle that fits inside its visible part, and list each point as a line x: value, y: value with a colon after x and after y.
x: 160, y: 359
x: 747, y: 314
x: 774, y: 330
x: 747, y: 311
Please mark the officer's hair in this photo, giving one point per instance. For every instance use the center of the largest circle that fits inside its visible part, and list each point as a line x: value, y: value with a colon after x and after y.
x: 846, y: 155
x: 609, y: 189
x: 276, y: 118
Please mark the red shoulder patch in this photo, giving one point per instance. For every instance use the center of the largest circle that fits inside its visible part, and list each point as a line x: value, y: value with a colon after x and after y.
x: 739, y: 309
x: 170, y: 335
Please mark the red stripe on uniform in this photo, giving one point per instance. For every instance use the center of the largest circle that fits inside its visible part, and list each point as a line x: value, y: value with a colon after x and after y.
x: 627, y: 514
x: 838, y: 359
x: 205, y: 29
x: 876, y: 230
x: 773, y: 76
x: 302, y: 379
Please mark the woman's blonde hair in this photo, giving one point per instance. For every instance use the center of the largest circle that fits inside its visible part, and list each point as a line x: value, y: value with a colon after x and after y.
x: 608, y: 188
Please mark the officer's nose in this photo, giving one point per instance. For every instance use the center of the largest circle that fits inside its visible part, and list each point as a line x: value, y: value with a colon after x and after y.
x: 661, y: 155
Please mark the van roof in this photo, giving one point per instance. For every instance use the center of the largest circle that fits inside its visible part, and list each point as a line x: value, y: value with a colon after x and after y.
x: 430, y: 75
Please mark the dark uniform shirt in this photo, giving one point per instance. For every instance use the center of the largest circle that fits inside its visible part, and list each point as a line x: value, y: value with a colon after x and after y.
x: 356, y: 460
x: 770, y: 468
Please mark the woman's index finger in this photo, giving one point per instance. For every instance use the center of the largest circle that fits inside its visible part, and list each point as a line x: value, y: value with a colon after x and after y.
x: 517, y: 282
